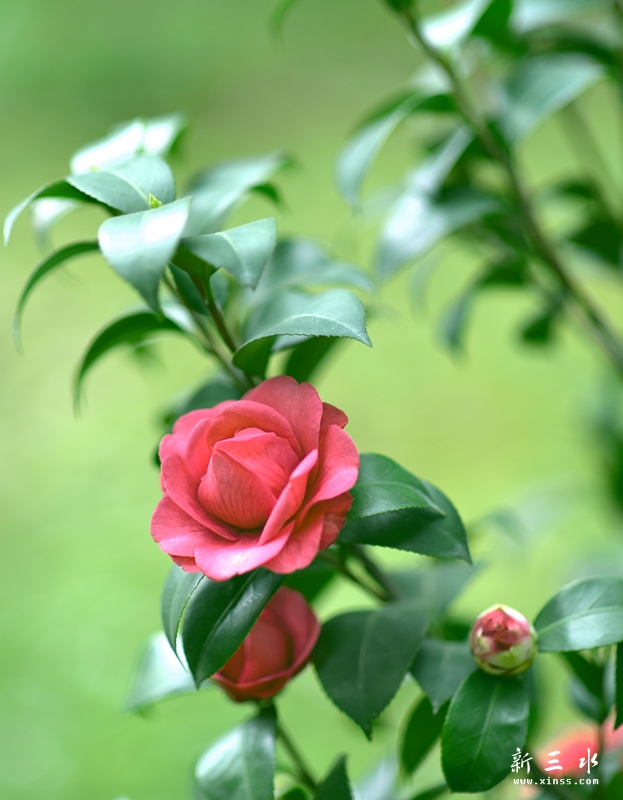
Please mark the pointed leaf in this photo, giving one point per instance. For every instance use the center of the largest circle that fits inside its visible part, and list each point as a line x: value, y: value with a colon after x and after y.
x: 361, y: 658
x: 178, y: 588
x: 432, y: 528
x: 440, y: 667
x: 139, y: 246
x: 241, y: 765
x: 51, y: 263
x: 336, y: 785
x: 336, y: 312
x: 486, y: 722
x: 242, y: 251
x: 542, y: 85
x: 219, y: 617
x: 585, y: 614
x: 46, y: 213
x: 451, y: 27
x: 129, y: 330
x: 420, y: 734
x: 602, y: 239
x: 159, y: 675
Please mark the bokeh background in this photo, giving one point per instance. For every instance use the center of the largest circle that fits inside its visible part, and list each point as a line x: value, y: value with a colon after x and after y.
x: 80, y: 577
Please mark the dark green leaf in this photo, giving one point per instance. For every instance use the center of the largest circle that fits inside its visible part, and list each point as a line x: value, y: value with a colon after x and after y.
x: 218, y: 190
x: 362, y: 657
x: 619, y: 686
x: 542, y: 85
x: 440, y: 667
x: 312, y: 580
x: 219, y: 617
x: 540, y: 329
x: 211, y: 394
x: 585, y: 614
x: 417, y: 223
x: 602, y: 239
x: 591, y: 675
x: 586, y: 702
x: 336, y: 785
x: 139, y: 246
x: 242, y: 251
x: 614, y: 790
x: 421, y: 732
x: 60, y: 189
x: 127, y: 187
x: 336, y: 312
x: 493, y: 24
x: 437, y: 586
x: 307, y: 356
x: 433, y: 793
x: 241, y: 765
x: 130, y: 330
x: 294, y: 794
x: 53, y: 261
x: 178, y: 588
x: 188, y: 291
x: 159, y: 675
x: 486, y: 722
x: 434, y: 528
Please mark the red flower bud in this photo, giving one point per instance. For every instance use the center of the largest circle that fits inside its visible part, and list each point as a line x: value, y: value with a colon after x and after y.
x: 503, y: 641
x: 277, y: 648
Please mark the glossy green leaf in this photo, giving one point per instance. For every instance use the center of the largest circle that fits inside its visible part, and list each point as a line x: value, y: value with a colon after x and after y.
x: 542, y: 85
x: 304, y: 262
x: 440, y: 667
x: 437, y: 586
x: 312, y: 580
x: 159, y: 675
x: 532, y: 14
x: 619, y: 686
x: 58, y: 189
x: 52, y: 262
x: 336, y: 312
x: 381, y: 783
x: 432, y: 528
x: 362, y: 657
x: 241, y: 765
x: 591, y: 675
x: 178, y: 588
x: 336, y: 785
x: 585, y: 614
x: 242, y: 251
x: 417, y: 223
x: 46, y: 213
x: 450, y: 28
x: 127, y: 187
x: 218, y: 190
x: 430, y: 174
x: 220, y: 615
x: 306, y: 357
x: 420, y: 734
x: 486, y: 722
x: 139, y: 246
x: 133, y: 329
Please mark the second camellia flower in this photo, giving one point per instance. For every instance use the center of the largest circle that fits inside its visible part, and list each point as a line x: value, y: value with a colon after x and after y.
x: 261, y: 481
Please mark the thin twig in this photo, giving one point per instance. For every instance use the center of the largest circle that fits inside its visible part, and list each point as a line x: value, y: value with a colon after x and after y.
x: 340, y: 566
x: 374, y: 571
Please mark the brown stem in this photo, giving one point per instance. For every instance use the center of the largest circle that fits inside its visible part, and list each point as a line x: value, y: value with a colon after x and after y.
x: 590, y: 314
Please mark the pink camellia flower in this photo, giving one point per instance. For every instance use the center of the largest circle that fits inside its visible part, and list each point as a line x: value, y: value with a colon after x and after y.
x: 576, y: 748
x: 503, y: 641
x: 261, y: 481
x: 277, y: 648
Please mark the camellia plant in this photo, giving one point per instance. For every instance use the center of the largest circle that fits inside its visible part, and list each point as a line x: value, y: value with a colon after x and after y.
x: 266, y: 500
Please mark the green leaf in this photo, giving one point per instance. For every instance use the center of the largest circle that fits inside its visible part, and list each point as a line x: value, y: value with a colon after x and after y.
x: 602, y: 239
x: 380, y: 783
x: 242, y: 251
x: 51, y: 263
x: 178, y: 588
x: 336, y: 785
x: 241, y: 765
x: 278, y: 15
x: 433, y: 793
x: 218, y: 190
x: 450, y: 28
x: 619, y: 686
x: 437, y: 586
x: 312, y: 580
x: 421, y: 732
x: 127, y: 187
x: 139, y: 246
x: 219, y: 617
x: 585, y: 614
x: 307, y: 357
x: 336, y: 312
x: 440, y: 667
x: 416, y: 224
x: 159, y: 675
x: 542, y: 85
x: 433, y: 528
x: 60, y: 189
x: 46, y: 213
x: 303, y: 262
x: 486, y: 722
x: 591, y: 675
x: 429, y: 176
x: 130, y: 330
x: 532, y: 14
x: 362, y: 657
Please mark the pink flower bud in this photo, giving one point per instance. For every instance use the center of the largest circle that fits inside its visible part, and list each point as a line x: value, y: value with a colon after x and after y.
x: 503, y: 641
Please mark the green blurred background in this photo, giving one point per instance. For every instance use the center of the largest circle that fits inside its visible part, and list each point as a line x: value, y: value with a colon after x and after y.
x: 79, y: 575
